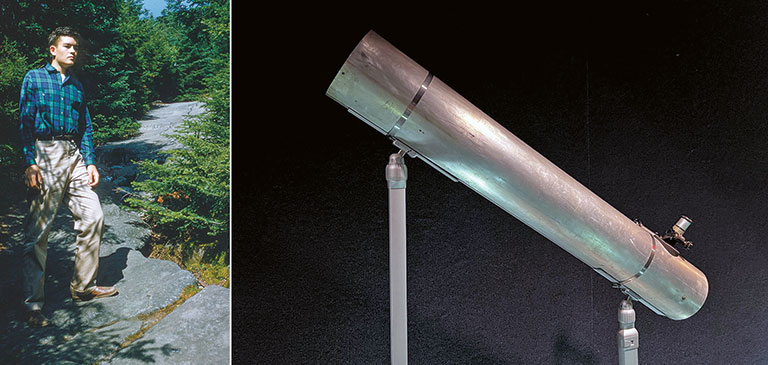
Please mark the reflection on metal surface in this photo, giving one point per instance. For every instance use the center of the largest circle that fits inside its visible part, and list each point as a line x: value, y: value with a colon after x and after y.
x: 379, y: 84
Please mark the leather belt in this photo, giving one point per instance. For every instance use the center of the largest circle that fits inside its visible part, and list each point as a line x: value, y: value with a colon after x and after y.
x: 66, y: 137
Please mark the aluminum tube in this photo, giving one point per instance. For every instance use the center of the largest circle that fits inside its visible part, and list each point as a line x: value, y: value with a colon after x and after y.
x: 393, y: 94
x: 396, y: 175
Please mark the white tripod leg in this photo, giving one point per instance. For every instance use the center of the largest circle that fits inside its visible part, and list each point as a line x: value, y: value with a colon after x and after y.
x: 628, y: 336
x: 397, y: 175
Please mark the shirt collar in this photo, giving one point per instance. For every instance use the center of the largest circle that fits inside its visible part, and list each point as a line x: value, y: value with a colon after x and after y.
x: 49, y: 67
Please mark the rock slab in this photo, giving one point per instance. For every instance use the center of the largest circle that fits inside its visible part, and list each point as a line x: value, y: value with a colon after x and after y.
x: 197, y: 332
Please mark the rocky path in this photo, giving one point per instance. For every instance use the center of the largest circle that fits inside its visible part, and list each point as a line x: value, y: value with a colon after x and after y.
x: 116, y: 330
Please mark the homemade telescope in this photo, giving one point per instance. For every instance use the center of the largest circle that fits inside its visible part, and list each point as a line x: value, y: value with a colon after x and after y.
x: 427, y: 119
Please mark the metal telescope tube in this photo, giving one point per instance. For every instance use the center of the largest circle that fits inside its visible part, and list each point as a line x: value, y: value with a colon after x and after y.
x: 394, y: 95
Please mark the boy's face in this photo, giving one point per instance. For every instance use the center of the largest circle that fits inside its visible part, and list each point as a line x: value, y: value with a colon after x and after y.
x: 65, y: 51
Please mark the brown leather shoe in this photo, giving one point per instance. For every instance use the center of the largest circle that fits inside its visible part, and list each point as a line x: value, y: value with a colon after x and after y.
x: 37, y: 319
x: 96, y: 292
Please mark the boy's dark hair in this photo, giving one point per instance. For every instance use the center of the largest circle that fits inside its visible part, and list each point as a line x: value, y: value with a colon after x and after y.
x: 53, y: 38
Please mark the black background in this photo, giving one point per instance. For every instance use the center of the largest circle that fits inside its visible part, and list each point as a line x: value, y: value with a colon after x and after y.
x: 658, y: 108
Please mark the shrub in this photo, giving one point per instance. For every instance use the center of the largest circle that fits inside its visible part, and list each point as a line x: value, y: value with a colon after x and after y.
x: 189, y: 191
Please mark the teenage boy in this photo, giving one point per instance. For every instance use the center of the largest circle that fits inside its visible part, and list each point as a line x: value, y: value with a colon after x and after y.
x: 57, y: 141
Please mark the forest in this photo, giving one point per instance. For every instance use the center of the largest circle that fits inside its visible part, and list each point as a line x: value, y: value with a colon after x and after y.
x: 129, y: 60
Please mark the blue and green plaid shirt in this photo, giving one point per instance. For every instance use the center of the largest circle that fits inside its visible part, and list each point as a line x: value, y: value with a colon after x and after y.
x: 51, y: 107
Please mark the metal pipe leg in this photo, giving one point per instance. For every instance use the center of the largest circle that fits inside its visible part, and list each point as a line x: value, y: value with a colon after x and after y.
x: 628, y: 336
x: 396, y: 177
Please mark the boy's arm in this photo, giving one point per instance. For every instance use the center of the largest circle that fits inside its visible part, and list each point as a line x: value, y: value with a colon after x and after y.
x: 86, y: 144
x: 27, y: 109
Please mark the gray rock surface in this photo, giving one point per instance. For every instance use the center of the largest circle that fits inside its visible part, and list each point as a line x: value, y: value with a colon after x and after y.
x: 153, y: 135
x: 93, y: 332
x: 203, y: 320
x: 146, y: 286
x: 123, y: 228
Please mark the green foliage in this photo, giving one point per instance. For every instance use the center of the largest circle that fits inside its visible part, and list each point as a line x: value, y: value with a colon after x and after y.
x: 132, y: 68
x: 188, y: 193
x: 190, y: 190
x: 113, y: 128
x: 216, y: 273
x: 128, y: 60
x: 192, y: 186
x: 151, y: 50
x: 209, y: 267
x: 13, y: 66
x: 200, y: 31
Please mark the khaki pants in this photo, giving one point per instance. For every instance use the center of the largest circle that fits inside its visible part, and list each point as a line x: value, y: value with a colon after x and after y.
x: 64, y: 174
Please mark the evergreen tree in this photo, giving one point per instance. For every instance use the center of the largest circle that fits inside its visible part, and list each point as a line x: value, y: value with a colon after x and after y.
x: 189, y: 191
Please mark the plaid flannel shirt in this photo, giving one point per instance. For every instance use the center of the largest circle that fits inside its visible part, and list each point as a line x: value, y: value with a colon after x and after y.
x: 51, y: 107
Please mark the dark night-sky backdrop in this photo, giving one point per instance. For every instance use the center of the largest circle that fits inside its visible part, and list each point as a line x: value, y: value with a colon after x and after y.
x: 660, y: 109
